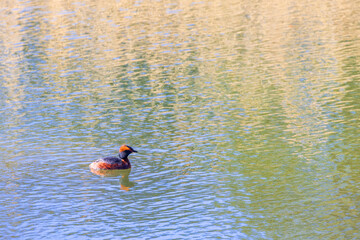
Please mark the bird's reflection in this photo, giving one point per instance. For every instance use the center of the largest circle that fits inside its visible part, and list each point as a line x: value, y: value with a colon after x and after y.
x: 125, y: 183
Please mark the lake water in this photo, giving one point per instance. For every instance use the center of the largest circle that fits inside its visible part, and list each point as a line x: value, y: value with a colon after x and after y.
x: 245, y: 115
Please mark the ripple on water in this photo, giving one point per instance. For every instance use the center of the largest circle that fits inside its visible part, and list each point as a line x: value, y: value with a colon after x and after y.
x: 246, y: 120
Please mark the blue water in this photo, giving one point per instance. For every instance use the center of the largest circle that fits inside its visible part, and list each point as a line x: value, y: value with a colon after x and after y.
x: 245, y: 116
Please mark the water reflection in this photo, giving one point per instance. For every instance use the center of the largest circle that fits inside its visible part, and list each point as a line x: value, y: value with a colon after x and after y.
x: 125, y: 183
x: 247, y: 112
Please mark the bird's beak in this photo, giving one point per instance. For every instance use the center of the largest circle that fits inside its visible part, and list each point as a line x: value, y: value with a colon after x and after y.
x: 134, y: 150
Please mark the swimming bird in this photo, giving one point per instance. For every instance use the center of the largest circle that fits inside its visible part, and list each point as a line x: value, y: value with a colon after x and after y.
x: 120, y: 162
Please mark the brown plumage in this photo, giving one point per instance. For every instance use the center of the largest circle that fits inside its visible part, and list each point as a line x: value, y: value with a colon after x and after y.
x: 120, y: 162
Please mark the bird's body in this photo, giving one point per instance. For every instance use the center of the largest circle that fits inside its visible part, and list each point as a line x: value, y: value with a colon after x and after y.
x: 120, y: 162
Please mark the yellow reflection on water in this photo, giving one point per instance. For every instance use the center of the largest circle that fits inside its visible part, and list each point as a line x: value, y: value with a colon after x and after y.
x: 263, y: 90
x: 125, y: 183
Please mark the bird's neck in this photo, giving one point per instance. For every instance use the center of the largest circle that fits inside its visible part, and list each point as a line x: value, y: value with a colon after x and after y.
x: 126, y: 160
x: 123, y: 155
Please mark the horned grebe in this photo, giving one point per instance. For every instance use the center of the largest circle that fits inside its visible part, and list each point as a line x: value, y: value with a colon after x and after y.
x: 120, y: 162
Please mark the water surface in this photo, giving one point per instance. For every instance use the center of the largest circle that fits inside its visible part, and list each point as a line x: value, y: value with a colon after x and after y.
x: 245, y: 115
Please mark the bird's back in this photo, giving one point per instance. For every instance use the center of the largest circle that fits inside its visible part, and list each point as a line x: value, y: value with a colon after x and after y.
x: 110, y: 163
x: 110, y: 160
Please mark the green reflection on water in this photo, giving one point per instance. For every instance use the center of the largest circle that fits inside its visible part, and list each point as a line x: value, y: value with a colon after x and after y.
x: 255, y: 111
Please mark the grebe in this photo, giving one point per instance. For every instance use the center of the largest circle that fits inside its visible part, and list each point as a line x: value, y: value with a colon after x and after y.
x: 121, y: 162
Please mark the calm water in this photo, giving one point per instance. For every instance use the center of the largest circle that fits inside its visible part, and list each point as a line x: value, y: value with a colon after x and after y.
x: 245, y: 115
